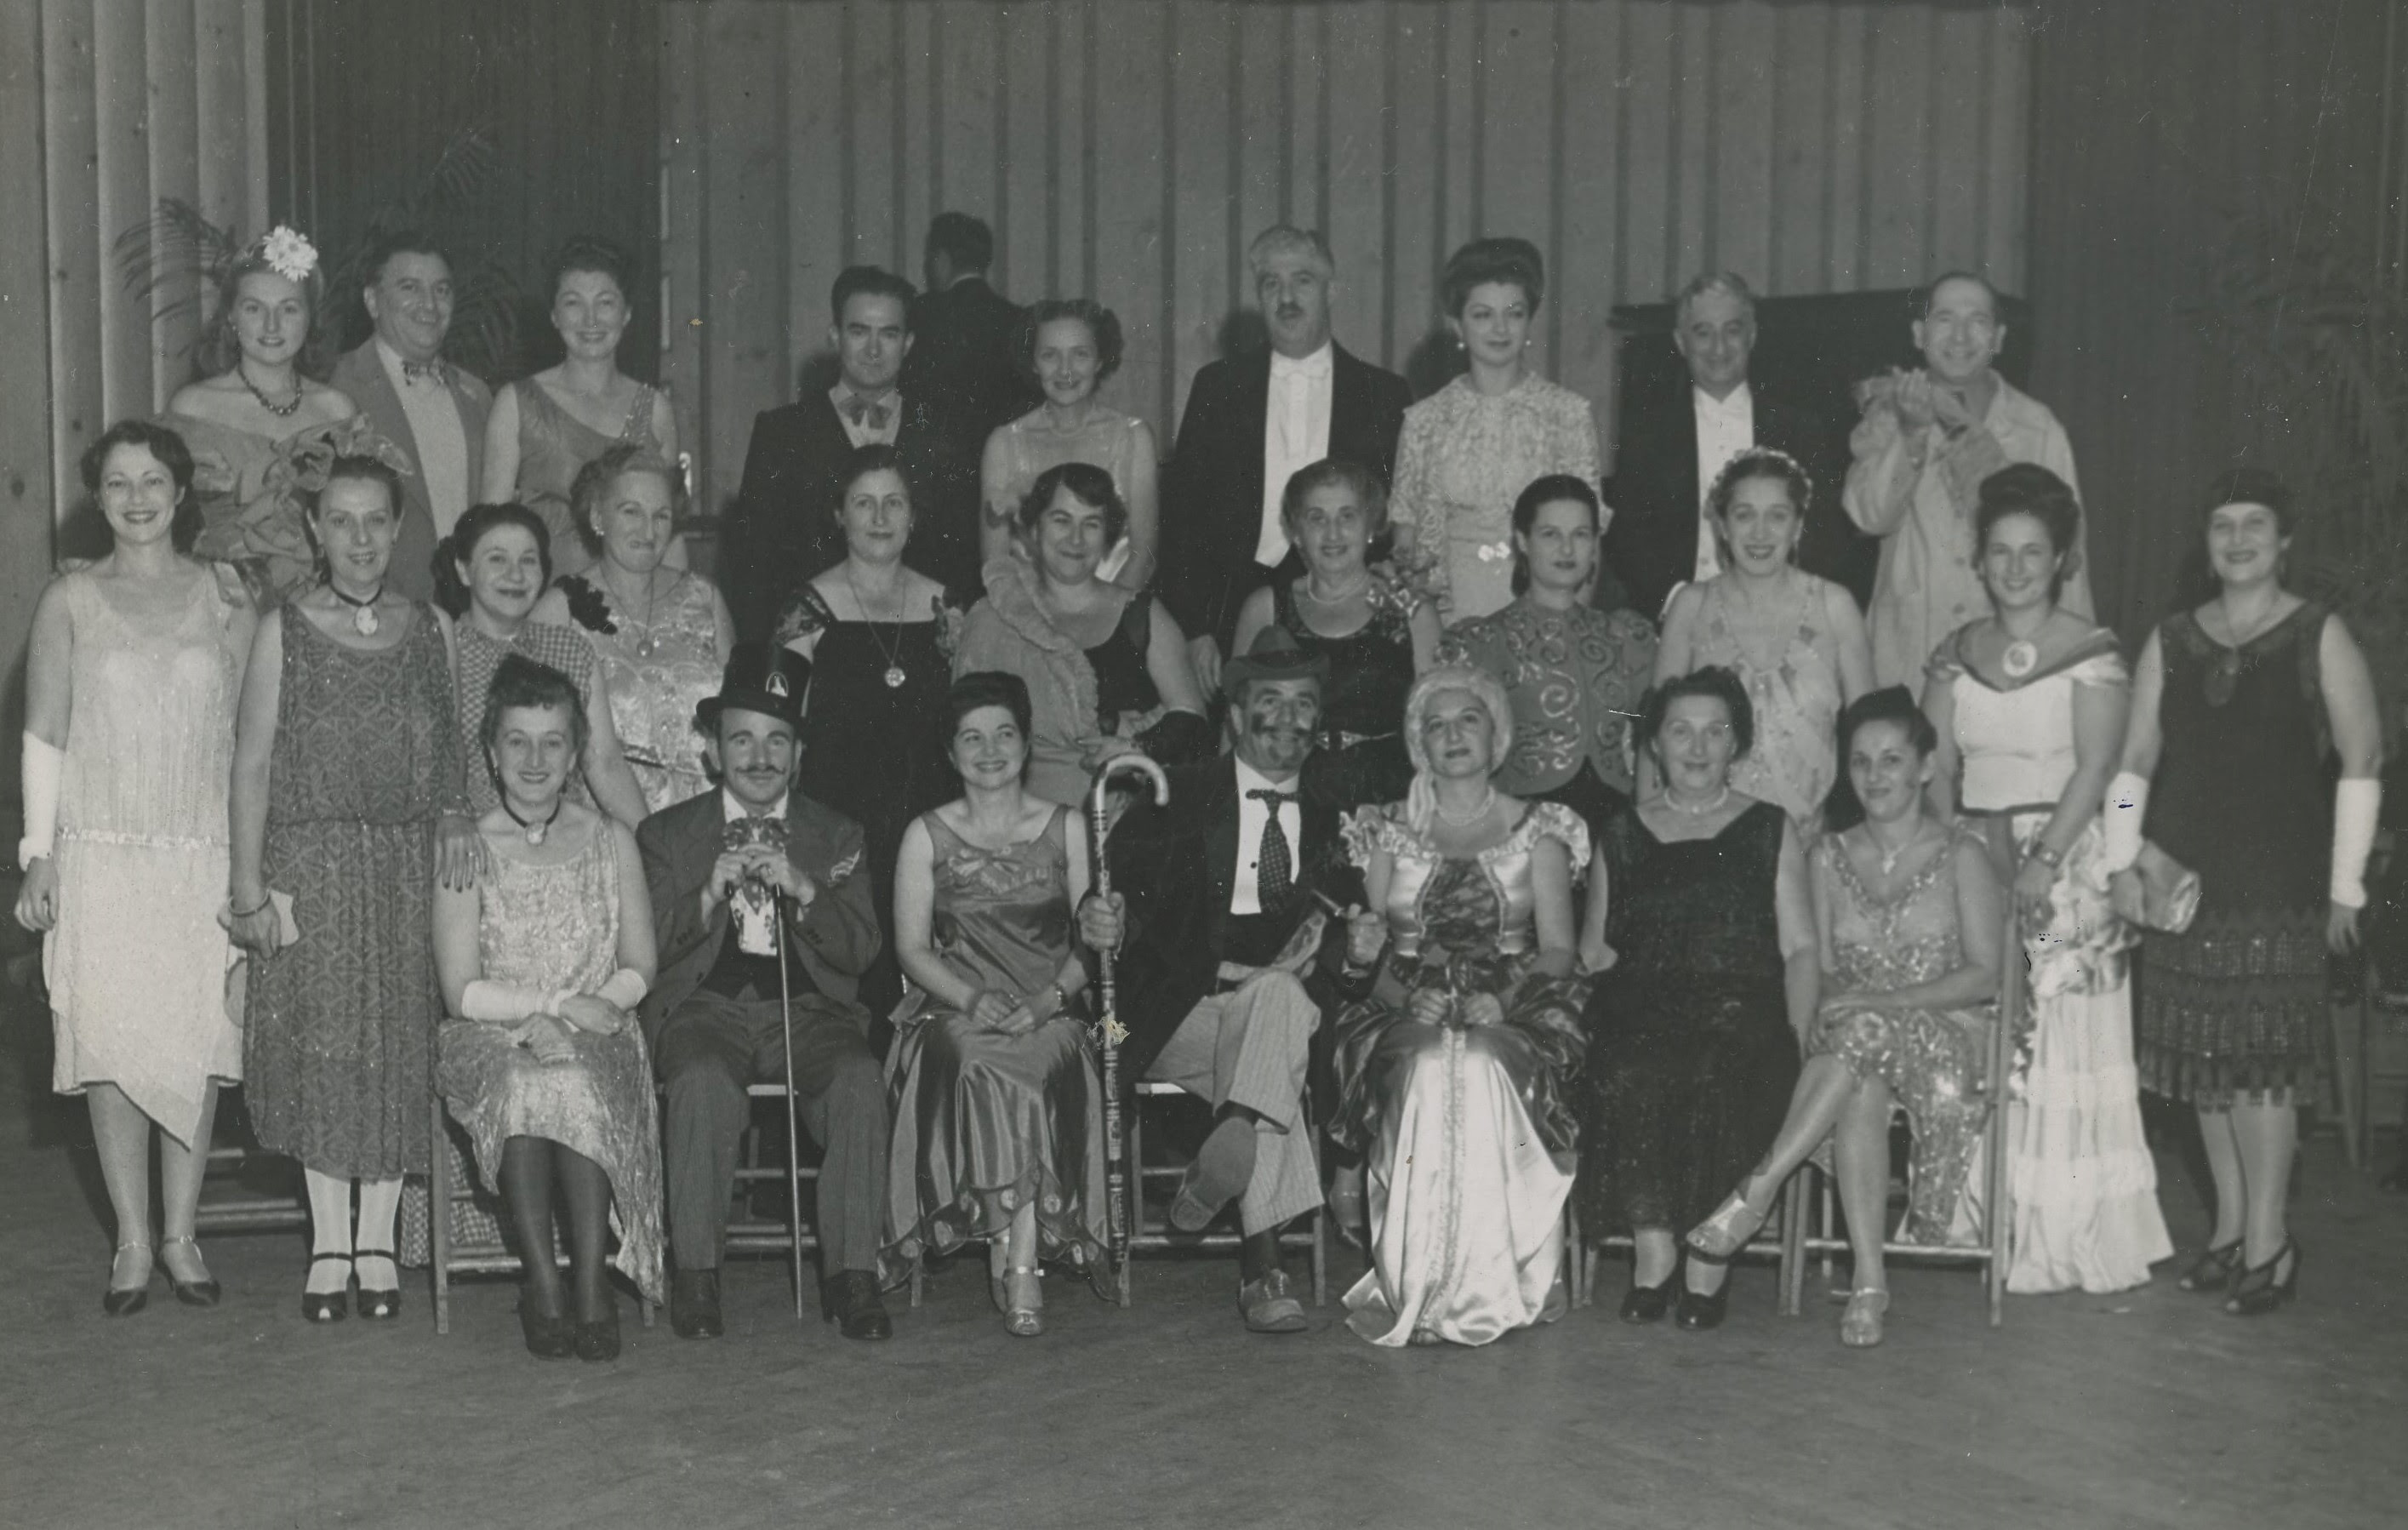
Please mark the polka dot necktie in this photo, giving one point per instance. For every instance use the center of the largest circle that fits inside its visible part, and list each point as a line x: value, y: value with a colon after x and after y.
x: 1275, y: 868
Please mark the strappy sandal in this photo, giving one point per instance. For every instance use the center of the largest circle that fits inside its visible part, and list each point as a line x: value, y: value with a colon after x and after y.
x: 1023, y: 1317
x: 124, y: 1301
x: 1860, y: 1325
x: 377, y: 1301
x: 204, y: 1291
x: 2212, y: 1273
x: 327, y: 1305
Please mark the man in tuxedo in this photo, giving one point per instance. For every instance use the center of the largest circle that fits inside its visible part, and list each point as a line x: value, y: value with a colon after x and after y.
x: 965, y: 335
x: 1251, y: 422
x: 783, y: 528
x: 431, y: 409
x: 736, y: 876
x: 1227, y: 957
x: 1676, y: 442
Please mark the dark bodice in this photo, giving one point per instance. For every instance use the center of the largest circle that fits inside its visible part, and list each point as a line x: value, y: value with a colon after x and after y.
x: 1696, y: 911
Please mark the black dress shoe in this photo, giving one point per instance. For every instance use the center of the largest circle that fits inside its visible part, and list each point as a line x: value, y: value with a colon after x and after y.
x: 547, y: 1336
x: 595, y: 1342
x: 1697, y: 1313
x: 694, y: 1304
x: 124, y: 1301
x: 328, y: 1306
x: 377, y: 1301
x: 204, y: 1291
x: 851, y: 1301
x: 1646, y: 1304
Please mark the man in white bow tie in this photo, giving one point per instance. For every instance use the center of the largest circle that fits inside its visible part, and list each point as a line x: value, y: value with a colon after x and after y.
x: 1252, y: 421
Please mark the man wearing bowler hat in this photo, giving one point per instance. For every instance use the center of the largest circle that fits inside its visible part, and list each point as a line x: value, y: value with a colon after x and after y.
x: 736, y: 876
x: 1227, y: 957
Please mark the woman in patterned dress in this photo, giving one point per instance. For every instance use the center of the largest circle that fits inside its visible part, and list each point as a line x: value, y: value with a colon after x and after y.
x: 348, y: 801
x: 1069, y: 347
x: 2241, y: 711
x: 544, y: 429
x: 1907, y: 918
x: 543, y: 963
x: 130, y: 686
x: 1458, y: 1072
x: 662, y: 634
x: 1376, y: 632
x: 2032, y: 701
x: 1467, y: 450
x: 490, y: 575
x: 996, y: 1105
x: 1797, y: 640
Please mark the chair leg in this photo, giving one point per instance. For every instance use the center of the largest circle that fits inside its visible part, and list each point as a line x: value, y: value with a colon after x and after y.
x: 439, y: 1217
x: 916, y: 1279
x: 1794, y: 1199
x: 1320, y: 1258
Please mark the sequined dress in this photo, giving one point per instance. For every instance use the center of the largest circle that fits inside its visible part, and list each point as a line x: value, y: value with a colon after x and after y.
x: 1463, y: 457
x: 1795, y: 698
x: 1932, y: 1059
x: 136, y: 961
x: 1691, y: 1059
x: 2235, y: 1006
x: 554, y: 927
x: 985, y: 1123
x: 657, y: 673
x: 1467, y: 1132
x: 339, y: 1050
x: 1363, y: 705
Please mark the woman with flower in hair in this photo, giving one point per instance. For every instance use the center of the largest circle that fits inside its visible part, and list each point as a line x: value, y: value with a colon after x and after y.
x: 253, y: 406
x: 1797, y: 641
x: 1377, y: 633
x: 1456, y: 1074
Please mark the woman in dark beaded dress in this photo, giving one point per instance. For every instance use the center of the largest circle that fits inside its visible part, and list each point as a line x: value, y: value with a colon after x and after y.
x: 347, y: 757
x: 1701, y: 930
x: 1377, y: 633
x: 878, y: 634
x: 2241, y: 711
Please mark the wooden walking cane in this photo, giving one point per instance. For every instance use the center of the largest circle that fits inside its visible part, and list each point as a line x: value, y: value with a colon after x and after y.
x: 1120, y: 1217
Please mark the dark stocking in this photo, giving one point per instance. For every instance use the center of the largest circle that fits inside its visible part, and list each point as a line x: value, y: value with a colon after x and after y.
x: 587, y: 1188
x: 526, y: 1190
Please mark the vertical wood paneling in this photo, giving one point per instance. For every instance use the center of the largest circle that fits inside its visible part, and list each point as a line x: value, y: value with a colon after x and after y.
x: 122, y: 144
x: 746, y: 358
x: 175, y: 169
x: 29, y: 484
x: 71, y: 181
x: 684, y: 249
x: 1131, y: 150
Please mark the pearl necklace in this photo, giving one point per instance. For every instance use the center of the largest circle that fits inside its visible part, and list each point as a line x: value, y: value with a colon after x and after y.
x: 1487, y: 801
x: 1697, y: 812
x: 1361, y: 586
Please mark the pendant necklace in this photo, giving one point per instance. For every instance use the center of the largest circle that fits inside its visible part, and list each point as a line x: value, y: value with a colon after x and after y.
x: 364, y: 616
x: 645, y: 647
x: 1889, y: 858
x: 2022, y: 656
x: 1487, y: 801
x: 282, y: 411
x: 894, y: 657
x: 534, y: 832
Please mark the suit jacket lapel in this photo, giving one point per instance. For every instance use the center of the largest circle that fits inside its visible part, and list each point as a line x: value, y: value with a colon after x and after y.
x: 1350, y: 404
x: 1221, y: 837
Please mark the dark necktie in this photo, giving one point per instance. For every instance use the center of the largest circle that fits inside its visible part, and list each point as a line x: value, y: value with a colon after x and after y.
x: 1275, y: 868
x: 866, y: 414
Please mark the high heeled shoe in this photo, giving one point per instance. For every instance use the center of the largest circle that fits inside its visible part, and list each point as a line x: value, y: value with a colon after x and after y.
x: 1728, y: 1230
x: 377, y: 1302
x: 597, y: 1341
x: 548, y: 1336
x: 1860, y: 1325
x: 2212, y: 1273
x: 1648, y: 1304
x: 124, y: 1301
x: 1023, y: 1316
x: 204, y: 1291
x: 327, y: 1305
x: 2255, y: 1290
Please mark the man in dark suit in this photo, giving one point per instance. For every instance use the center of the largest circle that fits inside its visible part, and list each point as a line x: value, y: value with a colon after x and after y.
x: 1675, y: 439
x: 965, y: 335
x: 431, y: 409
x: 738, y: 876
x: 784, y: 529
x: 1227, y: 957
x: 1251, y: 422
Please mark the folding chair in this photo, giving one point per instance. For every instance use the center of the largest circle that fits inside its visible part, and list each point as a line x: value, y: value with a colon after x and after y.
x: 1153, y: 1232
x: 233, y: 1199
x: 749, y: 1233
x: 465, y: 1225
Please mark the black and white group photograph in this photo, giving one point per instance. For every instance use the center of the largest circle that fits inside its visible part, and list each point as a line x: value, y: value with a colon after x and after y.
x: 1209, y: 764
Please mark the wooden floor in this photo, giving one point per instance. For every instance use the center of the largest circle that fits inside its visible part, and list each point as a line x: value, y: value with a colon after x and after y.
x: 2145, y: 1409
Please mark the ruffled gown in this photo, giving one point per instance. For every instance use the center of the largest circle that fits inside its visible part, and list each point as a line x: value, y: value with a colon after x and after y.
x: 1467, y: 1132
x: 986, y: 1124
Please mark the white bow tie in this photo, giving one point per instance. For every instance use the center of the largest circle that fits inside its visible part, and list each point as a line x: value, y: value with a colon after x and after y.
x: 1315, y: 366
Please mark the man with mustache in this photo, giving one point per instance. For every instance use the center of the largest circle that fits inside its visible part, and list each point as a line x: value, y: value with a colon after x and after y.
x: 1251, y: 422
x: 1928, y: 439
x: 730, y: 872
x: 434, y: 411
x: 1227, y: 957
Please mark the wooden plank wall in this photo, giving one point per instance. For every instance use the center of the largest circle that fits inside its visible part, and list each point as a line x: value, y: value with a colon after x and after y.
x: 106, y: 106
x: 1127, y: 150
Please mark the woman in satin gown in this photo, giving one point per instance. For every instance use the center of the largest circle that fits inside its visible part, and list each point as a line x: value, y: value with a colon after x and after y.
x: 1456, y: 1073
x: 991, y: 1086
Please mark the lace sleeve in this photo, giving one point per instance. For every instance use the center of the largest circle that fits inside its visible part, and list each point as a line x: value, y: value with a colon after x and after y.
x: 1371, y: 829
x: 805, y: 612
x: 586, y: 606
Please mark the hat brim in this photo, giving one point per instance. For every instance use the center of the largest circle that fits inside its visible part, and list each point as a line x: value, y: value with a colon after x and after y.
x: 747, y: 699
x: 1242, y: 670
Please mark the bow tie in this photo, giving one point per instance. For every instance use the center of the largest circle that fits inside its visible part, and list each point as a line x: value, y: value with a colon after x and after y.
x: 1315, y: 366
x: 434, y: 371
x: 866, y: 413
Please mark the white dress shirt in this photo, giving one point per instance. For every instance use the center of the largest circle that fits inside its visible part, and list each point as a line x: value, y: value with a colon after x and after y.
x: 1245, y: 890
x: 861, y: 435
x: 1296, y: 434
x: 749, y: 910
x: 435, y: 428
x: 1725, y: 428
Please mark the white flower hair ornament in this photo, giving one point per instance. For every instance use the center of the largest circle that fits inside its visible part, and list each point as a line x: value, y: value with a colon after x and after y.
x: 288, y: 253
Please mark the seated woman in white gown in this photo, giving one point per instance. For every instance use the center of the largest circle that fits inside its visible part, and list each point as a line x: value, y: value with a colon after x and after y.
x: 1456, y: 1073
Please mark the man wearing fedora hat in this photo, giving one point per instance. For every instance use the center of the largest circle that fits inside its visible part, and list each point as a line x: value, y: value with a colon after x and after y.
x: 1227, y: 956
x: 738, y: 874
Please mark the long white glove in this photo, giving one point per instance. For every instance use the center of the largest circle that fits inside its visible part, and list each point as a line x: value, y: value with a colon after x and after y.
x: 626, y: 988
x: 2357, y: 802
x: 41, y: 765
x: 504, y: 1003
